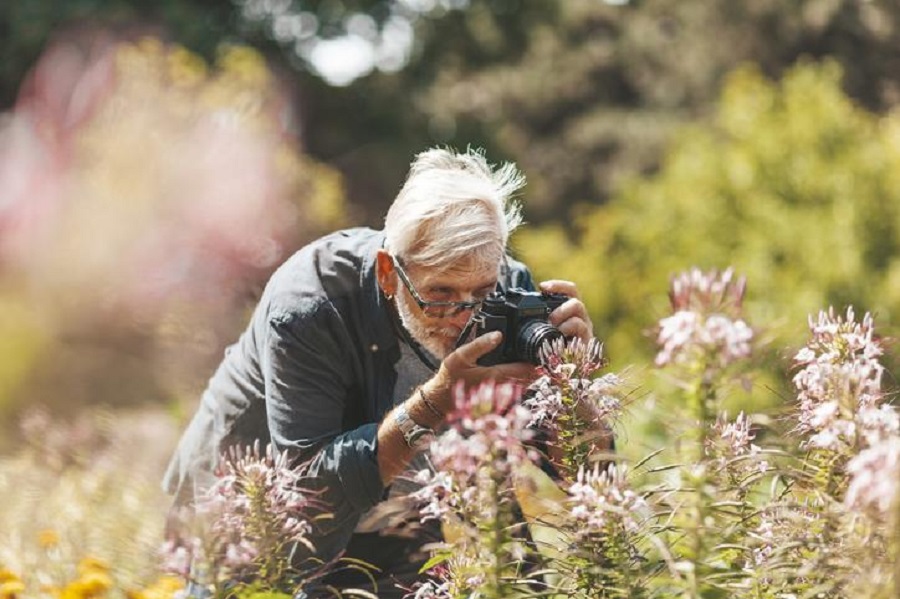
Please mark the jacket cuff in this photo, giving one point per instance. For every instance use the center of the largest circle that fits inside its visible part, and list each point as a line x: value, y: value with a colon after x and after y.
x: 356, y: 458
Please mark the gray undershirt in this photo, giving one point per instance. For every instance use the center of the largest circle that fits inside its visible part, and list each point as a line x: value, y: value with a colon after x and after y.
x: 411, y: 373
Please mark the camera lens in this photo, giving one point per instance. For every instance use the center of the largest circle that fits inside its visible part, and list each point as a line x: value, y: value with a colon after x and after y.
x: 531, y: 337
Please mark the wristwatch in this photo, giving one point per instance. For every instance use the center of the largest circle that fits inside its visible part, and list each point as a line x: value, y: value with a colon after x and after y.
x: 415, y: 435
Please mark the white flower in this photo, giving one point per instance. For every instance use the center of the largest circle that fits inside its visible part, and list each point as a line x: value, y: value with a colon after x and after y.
x: 839, y: 384
x: 874, y: 476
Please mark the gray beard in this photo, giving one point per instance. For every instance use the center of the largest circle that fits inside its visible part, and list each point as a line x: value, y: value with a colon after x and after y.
x: 419, y: 332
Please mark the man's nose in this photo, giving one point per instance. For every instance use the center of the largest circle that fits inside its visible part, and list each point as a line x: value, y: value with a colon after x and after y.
x: 460, y: 319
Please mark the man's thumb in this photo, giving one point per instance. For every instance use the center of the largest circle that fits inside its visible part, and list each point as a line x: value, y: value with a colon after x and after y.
x: 479, y: 346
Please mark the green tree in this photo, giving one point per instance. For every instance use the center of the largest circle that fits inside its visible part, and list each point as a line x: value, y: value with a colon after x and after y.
x: 791, y: 183
x: 599, y: 90
x: 582, y: 94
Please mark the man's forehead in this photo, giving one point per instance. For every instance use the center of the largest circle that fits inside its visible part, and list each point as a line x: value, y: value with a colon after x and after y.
x: 476, y: 270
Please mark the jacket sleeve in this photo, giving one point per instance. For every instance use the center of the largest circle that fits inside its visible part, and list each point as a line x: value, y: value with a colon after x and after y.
x: 518, y: 275
x: 307, y: 369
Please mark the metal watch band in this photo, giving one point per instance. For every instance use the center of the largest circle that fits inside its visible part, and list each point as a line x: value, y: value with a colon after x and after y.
x: 415, y: 435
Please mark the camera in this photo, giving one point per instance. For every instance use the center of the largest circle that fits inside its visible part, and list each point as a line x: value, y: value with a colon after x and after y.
x: 522, y: 318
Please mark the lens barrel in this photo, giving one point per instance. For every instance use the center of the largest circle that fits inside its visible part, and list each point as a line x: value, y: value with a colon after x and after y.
x: 532, y: 337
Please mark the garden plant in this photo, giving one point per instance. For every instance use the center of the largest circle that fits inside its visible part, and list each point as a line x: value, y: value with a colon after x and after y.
x: 798, y: 503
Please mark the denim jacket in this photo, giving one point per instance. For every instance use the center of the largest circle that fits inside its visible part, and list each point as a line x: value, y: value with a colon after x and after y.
x: 313, y: 374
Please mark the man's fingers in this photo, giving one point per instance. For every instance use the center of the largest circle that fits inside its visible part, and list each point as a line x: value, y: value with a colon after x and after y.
x: 470, y: 352
x: 559, y: 286
x: 572, y: 319
x: 521, y: 372
x: 576, y: 327
x: 572, y: 308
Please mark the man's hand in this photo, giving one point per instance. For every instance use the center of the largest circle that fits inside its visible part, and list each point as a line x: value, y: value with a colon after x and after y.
x: 462, y: 365
x: 571, y: 318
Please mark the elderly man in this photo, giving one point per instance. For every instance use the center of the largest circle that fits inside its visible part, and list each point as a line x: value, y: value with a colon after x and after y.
x: 350, y: 357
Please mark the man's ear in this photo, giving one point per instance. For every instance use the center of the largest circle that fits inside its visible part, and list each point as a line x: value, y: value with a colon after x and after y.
x: 384, y: 270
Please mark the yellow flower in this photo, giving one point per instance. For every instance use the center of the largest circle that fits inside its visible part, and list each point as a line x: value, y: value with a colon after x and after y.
x: 11, y: 589
x: 8, y: 575
x: 93, y: 580
x: 185, y: 68
x: 164, y: 588
x: 89, y: 585
x: 48, y: 538
x: 245, y: 64
x: 90, y: 565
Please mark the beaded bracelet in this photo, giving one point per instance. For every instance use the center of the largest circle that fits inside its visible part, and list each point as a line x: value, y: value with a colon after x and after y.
x: 430, y: 405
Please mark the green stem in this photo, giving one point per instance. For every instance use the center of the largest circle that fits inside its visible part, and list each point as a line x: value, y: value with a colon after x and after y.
x: 702, y: 400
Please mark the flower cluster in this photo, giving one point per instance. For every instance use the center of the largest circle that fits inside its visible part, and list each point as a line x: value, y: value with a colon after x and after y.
x: 875, y: 477
x: 839, y: 384
x: 254, y: 517
x: 850, y: 471
x: 477, y: 454
x: 567, y: 382
x: 705, y: 323
x: 730, y: 446
x: 780, y: 532
x: 576, y: 408
x: 602, y: 523
x: 472, y: 487
x: 601, y: 503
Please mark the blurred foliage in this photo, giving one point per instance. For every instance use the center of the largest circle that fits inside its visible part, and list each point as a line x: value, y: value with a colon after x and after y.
x: 147, y: 197
x: 791, y: 183
x: 83, y: 492
x: 582, y: 94
x: 27, y: 27
x: 371, y: 129
x: 597, y: 90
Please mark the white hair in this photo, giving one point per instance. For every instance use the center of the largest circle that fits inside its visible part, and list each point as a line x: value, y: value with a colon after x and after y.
x: 454, y: 207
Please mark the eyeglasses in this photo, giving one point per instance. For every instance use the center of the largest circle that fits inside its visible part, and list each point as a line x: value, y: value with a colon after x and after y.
x: 433, y: 309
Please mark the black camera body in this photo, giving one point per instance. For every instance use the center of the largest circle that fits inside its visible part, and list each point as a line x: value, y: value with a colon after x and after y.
x: 522, y: 317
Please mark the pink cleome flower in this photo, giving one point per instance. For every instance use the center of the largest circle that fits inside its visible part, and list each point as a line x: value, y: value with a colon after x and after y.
x: 841, y: 402
x: 874, y: 477
x: 483, y: 446
x: 600, y: 501
x: 706, y: 323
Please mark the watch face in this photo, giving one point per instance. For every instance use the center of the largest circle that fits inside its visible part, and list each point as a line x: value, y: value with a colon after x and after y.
x: 419, y: 438
x: 416, y: 436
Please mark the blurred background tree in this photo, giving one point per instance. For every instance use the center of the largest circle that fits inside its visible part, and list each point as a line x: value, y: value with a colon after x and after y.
x: 581, y: 93
x: 639, y: 165
x: 146, y: 197
x: 791, y: 183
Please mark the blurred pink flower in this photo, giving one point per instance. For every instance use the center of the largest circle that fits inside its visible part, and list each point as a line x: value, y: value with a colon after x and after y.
x: 706, y: 323
x: 875, y: 477
x: 707, y: 292
x: 730, y: 446
x: 124, y: 185
x: 62, y: 92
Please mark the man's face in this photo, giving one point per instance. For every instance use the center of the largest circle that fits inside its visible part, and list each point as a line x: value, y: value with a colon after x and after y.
x: 462, y: 283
